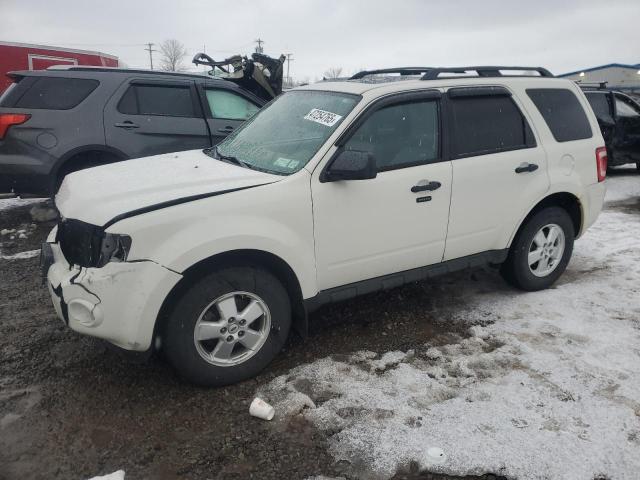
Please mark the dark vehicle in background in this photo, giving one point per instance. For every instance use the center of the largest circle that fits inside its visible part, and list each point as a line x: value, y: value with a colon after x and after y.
x: 618, y: 115
x: 56, y: 121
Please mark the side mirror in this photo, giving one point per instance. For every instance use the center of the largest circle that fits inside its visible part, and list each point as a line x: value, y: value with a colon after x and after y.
x: 350, y: 165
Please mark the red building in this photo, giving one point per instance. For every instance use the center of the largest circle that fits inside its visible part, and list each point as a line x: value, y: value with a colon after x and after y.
x: 24, y: 56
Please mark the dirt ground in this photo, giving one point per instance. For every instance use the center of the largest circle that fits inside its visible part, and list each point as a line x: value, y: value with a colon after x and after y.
x: 72, y: 407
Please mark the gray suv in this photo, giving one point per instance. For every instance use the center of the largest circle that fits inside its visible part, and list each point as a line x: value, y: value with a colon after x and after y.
x: 56, y: 121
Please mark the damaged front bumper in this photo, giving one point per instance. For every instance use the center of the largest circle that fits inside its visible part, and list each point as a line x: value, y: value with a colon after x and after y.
x: 119, y: 302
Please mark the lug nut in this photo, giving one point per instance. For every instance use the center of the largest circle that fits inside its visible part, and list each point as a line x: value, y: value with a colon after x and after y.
x: 241, y: 333
x: 223, y: 330
x: 230, y: 338
x: 243, y: 321
x: 232, y: 319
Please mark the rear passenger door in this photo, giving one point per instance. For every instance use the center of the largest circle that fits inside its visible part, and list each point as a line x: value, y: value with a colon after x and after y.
x: 499, y: 171
x: 149, y: 117
x: 627, y: 139
x: 226, y: 109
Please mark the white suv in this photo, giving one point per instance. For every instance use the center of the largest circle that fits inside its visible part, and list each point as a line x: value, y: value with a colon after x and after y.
x: 331, y: 191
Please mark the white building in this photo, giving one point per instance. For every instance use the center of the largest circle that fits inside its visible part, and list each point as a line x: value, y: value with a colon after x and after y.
x: 617, y: 75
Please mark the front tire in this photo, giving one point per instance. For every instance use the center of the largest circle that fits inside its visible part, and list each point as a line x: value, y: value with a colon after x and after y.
x: 228, y: 326
x: 541, y: 250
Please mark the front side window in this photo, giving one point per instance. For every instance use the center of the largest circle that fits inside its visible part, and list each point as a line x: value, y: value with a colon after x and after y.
x: 625, y: 108
x: 399, y: 135
x: 164, y: 100
x: 53, y: 93
x: 487, y: 124
x: 282, y: 137
x: 562, y: 113
x: 601, y: 105
x: 228, y: 105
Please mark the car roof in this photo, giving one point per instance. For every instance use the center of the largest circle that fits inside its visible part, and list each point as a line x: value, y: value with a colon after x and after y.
x: 377, y: 89
x: 88, y: 72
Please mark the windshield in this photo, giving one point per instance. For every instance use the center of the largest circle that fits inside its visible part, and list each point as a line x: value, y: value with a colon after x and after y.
x: 284, y: 136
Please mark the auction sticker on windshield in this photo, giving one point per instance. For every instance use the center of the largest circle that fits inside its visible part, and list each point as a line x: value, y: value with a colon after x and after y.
x: 323, y: 117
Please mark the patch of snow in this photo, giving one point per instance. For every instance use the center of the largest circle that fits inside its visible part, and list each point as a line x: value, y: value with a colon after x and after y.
x: 20, y: 255
x: 622, y: 188
x: 8, y: 203
x: 119, y: 475
x: 550, y: 389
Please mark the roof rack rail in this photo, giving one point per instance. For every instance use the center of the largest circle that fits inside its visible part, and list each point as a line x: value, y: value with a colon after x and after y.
x: 484, y: 71
x: 400, y: 70
x: 593, y: 85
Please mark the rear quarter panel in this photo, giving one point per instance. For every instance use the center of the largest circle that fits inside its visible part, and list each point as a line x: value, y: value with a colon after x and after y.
x: 571, y: 164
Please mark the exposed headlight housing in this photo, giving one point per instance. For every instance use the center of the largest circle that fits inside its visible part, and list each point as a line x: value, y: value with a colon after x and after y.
x: 89, y: 245
x: 114, y: 248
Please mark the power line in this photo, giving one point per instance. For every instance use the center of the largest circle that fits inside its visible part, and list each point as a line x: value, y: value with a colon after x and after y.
x: 150, y: 50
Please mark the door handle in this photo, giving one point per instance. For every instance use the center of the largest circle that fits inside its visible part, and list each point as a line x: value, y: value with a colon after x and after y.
x: 526, y: 167
x: 126, y: 124
x: 425, y: 186
x: 227, y: 129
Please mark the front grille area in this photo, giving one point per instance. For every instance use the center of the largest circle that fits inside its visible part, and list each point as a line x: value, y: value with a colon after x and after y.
x: 80, y: 242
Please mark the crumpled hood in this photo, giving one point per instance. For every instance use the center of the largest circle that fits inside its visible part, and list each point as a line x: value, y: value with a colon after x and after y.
x: 100, y: 194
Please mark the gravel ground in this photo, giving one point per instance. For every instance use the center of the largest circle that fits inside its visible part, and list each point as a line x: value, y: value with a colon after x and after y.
x: 72, y: 407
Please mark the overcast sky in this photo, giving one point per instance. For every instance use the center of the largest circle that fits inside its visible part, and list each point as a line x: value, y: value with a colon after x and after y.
x: 562, y: 35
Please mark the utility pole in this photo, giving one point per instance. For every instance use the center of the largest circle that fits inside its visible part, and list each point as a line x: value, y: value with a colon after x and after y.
x: 150, y: 50
x: 289, y: 60
x: 259, y: 48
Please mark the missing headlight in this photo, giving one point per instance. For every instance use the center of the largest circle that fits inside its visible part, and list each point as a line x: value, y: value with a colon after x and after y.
x: 114, y: 248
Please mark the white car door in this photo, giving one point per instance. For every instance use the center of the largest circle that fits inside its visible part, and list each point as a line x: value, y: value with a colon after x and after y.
x: 499, y: 170
x: 397, y: 221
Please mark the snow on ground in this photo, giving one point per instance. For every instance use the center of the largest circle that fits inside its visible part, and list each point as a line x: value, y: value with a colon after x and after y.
x: 119, y: 475
x: 7, y: 203
x: 20, y: 255
x: 546, y: 385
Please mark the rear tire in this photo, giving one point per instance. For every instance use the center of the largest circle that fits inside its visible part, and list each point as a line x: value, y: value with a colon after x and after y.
x: 541, y: 250
x: 228, y: 326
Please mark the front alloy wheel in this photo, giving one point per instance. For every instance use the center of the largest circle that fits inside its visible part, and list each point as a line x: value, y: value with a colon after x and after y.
x: 227, y: 326
x: 232, y: 328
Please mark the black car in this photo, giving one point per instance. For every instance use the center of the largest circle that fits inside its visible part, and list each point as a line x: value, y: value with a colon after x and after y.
x: 618, y: 115
x: 59, y: 120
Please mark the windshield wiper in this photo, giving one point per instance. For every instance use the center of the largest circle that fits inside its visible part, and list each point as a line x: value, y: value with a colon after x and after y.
x: 226, y: 158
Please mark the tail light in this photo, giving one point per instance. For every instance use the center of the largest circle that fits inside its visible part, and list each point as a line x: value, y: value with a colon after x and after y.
x: 9, y: 119
x: 601, y: 163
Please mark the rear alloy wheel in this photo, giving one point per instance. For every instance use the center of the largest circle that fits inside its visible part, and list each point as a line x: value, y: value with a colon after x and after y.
x: 228, y: 326
x: 541, y: 250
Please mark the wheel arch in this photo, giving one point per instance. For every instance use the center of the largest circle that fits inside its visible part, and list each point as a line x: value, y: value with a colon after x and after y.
x: 77, y: 153
x: 242, y: 257
x: 566, y: 200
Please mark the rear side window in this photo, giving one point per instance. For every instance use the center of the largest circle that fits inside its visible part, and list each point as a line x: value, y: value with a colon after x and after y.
x: 167, y: 100
x: 488, y: 124
x: 51, y: 93
x: 562, y: 112
x: 601, y: 105
x: 4, y: 97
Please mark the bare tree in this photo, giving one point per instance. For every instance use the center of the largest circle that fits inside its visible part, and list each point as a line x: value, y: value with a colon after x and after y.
x: 173, y: 52
x: 333, y: 73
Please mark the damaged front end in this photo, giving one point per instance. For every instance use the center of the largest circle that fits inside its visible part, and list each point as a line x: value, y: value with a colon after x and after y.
x: 95, y: 291
x: 88, y: 245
